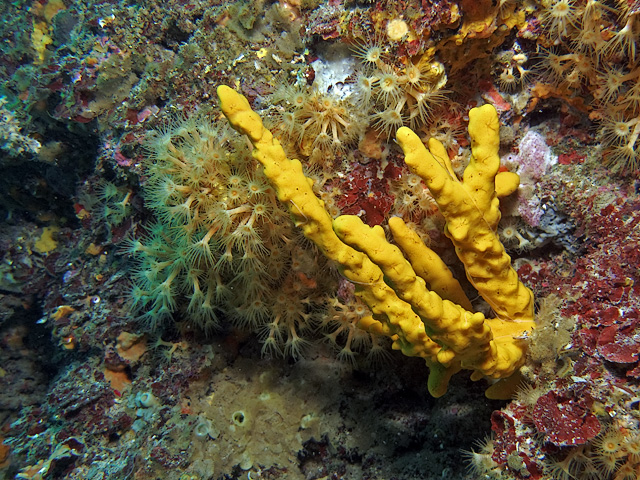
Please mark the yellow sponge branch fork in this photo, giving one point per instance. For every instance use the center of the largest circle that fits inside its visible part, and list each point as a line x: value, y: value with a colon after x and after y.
x: 471, y: 210
x: 413, y: 296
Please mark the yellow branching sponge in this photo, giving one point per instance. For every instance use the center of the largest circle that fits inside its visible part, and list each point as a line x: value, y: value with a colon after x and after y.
x: 434, y: 322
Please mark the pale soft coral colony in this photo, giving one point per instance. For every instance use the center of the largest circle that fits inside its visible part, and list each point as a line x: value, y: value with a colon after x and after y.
x: 222, y: 242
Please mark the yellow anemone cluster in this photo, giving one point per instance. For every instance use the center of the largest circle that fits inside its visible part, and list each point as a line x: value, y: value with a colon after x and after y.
x: 414, y: 298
